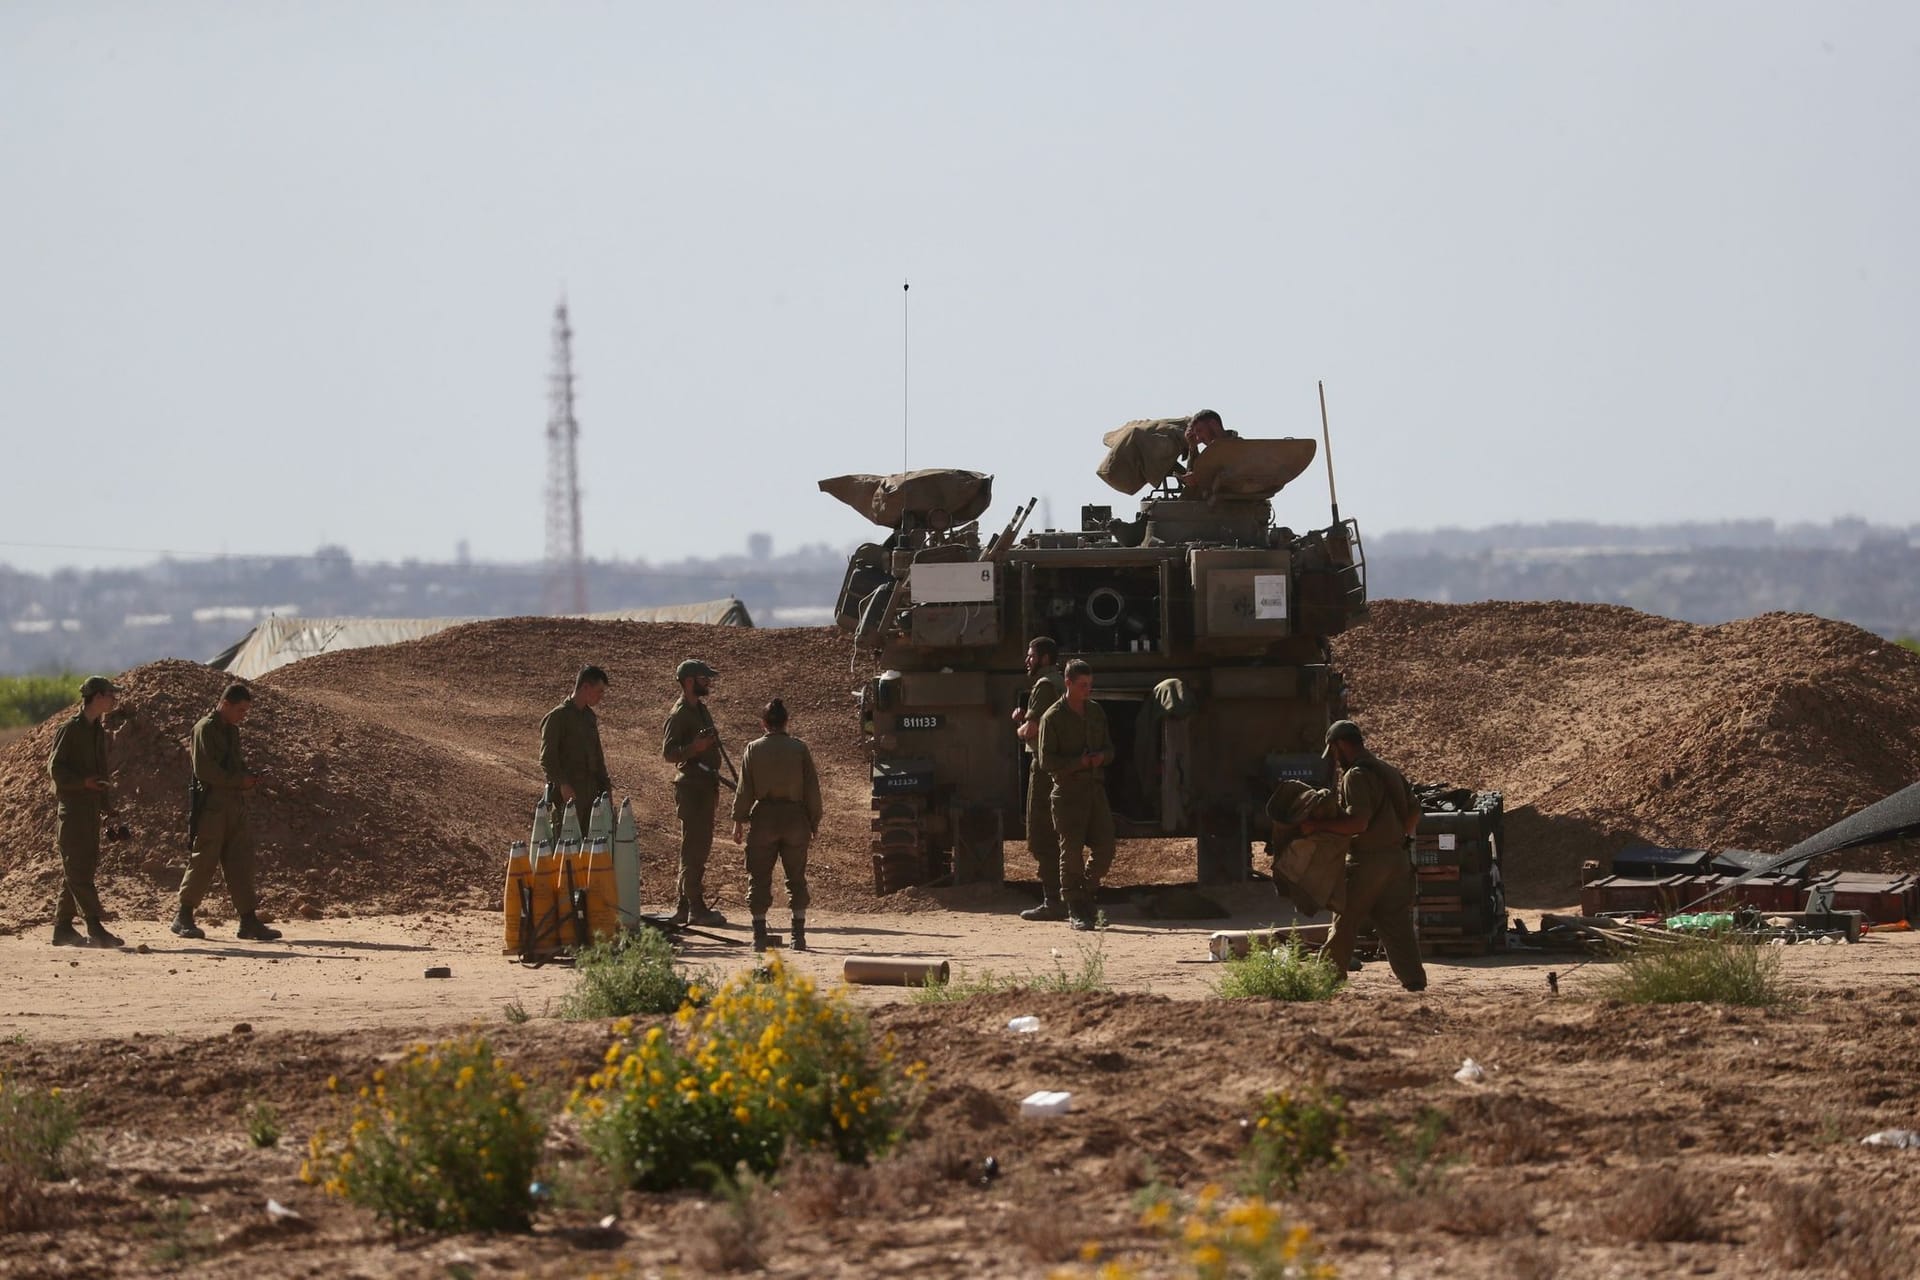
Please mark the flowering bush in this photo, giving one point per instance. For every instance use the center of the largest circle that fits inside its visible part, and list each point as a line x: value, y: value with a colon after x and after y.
x: 1294, y: 1134
x: 442, y: 1142
x: 1219, y: 1237
x: 770, y: 1064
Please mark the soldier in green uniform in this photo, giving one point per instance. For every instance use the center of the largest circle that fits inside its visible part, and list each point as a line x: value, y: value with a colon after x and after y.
x: 1378, y: 811
x: 1075, y: 749
x: 78, y: 767
x: 1043, y: 657
x: 693, y: 743
x: 778, y: 805
x: 220, y: 839
x: 570, y: 753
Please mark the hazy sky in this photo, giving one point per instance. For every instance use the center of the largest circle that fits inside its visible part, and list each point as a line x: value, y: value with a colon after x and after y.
x: 273, y: 274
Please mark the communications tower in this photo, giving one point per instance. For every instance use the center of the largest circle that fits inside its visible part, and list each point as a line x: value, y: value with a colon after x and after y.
x: 565, y: 590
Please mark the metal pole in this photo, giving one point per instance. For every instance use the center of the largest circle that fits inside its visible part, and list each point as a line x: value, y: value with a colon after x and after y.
x: 1326, y: 437
x: 903, y: 374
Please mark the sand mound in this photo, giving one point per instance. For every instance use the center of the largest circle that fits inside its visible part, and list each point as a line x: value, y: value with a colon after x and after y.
x: 1605, y: 726
x: 398, y: 774
x: 329, y: 832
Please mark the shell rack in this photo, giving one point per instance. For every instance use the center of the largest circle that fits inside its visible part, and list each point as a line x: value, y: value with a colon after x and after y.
x: 1881, y: 899
x: 1460, y: 901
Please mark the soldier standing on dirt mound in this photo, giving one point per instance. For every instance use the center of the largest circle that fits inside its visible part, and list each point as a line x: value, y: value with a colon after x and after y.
x: 217, y: 822
x: 1043, y: 658
x: 78, y: 767
x: 570, y: 752
x: 778, y: 805
x: 1075, y: 748
x: 693, y: 743
x: 1378, y: 810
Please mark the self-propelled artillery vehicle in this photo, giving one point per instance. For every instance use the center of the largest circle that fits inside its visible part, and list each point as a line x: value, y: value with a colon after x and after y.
x: 1206, y: 623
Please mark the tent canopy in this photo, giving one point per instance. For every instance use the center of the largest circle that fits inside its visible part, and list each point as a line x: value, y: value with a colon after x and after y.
x: 278, y: 641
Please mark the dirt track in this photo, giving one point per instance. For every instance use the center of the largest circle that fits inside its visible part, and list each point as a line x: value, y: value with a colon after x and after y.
x: 400, y: 774
x: 1542, y: 1171
x: 397, y: 775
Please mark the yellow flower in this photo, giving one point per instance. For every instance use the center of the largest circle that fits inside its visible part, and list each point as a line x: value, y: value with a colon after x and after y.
x: 1208, y: 1257
x: 1090, y: 1251
x: 1156, y: 1214
x: 742, y: 1115
x: 333, y: 1084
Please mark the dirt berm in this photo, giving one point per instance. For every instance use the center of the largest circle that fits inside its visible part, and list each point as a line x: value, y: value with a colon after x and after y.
x: 398, y: 774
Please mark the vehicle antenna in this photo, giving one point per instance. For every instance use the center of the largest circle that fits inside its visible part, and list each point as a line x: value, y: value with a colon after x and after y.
x: 903, y: 375
x: 1326, y: 437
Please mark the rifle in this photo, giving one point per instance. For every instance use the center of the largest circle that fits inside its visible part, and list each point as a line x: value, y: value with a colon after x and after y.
x: 196, y: 804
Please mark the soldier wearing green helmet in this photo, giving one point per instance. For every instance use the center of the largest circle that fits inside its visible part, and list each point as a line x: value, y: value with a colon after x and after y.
x: 692, y: 743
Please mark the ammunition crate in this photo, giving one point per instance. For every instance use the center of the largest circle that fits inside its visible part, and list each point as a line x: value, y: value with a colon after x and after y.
x: 1883, y: 899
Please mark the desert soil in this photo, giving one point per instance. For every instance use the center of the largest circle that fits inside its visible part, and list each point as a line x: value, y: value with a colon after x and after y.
x: 398, y: 776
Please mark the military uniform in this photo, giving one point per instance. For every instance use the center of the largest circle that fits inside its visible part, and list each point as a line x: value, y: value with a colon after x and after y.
x: 1380, y: 881
x: 570, y: 753
x: 79, y: 752
x: 221, y: 841
x: 1042, y: 842
x: 779, y: 800
x: 1078, y: 799
x: 696, y: 797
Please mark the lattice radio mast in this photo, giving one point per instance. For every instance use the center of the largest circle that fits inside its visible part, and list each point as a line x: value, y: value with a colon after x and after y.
x: 566, y: 584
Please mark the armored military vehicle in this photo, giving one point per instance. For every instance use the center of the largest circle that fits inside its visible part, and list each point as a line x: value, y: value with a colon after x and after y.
x: 1205, y: 621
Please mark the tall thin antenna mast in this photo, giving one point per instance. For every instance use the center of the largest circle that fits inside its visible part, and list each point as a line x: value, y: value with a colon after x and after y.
x: 565, y: 590
x: 1326, y: 436
x: 903, y: 375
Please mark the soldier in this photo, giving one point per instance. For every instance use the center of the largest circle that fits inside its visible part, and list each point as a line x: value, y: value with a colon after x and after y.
x: 1074, y: 749
x: 78, y: 767
x: 570, y: 753
x: 693, y: 743
x: 778, y: 804
x: 1378, y: 811
x: 1043, y: 658
x: 218, y: 824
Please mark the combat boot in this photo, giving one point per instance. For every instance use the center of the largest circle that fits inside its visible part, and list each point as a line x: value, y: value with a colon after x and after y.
x: 680, y: 914
x: 65, y: 935
x: 1080, y: 923
x: 708, y: 918
x: 799, y: 934
x: 97, y: 934
x: 760, y: 940
x: 184, y: 927
x: 253, y: 931
x: 1046, y: 909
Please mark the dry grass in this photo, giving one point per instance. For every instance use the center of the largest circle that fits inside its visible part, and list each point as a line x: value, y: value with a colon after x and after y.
x: 1530, y: 1260
x: 1656, y: 1206
x: 23, y: 1206
x: 1807, y: 1224
x: 1044, y: 1233
x: 1351, y: 1200
x: 731, y: 1234
x: 1505, y: 1129
x: 817, y: 1188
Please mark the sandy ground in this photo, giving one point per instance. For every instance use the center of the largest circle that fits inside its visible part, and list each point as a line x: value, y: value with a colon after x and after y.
x: 340, y: 975
x: 1591, y: 1109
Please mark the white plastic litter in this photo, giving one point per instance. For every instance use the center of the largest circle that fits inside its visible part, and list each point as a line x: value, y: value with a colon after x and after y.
x: 1470, y: 1072
x: 606, y: 1223
x: 1047, y: 1102
x: 1024, y: 1023
x: 1892, y: 1138
x: 280, y: 1213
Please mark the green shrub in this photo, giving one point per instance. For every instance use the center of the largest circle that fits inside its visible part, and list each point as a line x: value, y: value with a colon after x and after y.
x: 770, y: 1065
x: 1286, y: 972
x: 632, y: 974
x: 443, y: 1142
x: 27, y: 700
x: 1294, y: 1134
x: 1090, y: 976
x: 39, y: 1141
x: 263, y: 1125
x: 1715, y: 969
x: 39, y: 1133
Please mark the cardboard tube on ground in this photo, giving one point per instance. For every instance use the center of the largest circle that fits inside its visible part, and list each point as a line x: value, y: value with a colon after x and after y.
x: 893, y: 971
x: 1229, y: 943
